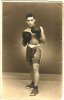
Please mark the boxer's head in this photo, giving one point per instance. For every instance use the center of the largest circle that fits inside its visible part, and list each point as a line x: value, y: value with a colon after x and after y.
x: 30, y: 19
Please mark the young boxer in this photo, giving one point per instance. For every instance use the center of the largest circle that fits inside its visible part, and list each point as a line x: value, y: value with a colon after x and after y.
x: 33, y: 36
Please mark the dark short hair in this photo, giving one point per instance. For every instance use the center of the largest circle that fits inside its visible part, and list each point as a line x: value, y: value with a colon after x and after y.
x: 30, y: 15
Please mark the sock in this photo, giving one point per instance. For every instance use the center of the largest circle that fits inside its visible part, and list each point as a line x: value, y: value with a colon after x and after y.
x: 32, y: 82
x: 35, y: 87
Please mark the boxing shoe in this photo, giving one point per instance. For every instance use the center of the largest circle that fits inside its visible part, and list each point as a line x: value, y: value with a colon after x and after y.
x: 34, y: 91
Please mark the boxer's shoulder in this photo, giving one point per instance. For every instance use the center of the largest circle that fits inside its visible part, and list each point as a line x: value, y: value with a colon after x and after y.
x: 41, y: 27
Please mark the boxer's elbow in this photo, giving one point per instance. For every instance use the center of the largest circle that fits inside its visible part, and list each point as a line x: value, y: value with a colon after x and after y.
x: 43, y: 39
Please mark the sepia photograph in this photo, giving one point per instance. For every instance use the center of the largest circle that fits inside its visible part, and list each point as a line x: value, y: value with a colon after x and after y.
x: 32, y: 50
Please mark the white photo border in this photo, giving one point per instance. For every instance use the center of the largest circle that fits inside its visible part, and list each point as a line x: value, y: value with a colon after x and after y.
x: 47, y: 1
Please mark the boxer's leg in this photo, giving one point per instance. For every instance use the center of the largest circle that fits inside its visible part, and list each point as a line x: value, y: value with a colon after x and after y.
x: 36, y: 79
x: 36, y: 73
x: 36, y: 63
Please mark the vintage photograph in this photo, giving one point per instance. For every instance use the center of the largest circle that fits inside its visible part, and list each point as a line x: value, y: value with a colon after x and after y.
x: 32, y: 50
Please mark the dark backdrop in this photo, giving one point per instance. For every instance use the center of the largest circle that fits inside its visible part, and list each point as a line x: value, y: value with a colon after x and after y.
x: 48, y: 15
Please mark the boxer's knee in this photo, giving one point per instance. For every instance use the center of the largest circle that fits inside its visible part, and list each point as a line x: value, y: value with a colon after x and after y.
x: 35, y: 67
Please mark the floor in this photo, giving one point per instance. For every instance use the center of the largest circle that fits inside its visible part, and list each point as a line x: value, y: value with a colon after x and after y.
x: 13, y: 87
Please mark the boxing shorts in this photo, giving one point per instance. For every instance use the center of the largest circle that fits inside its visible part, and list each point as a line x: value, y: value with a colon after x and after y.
x: 33, y: 54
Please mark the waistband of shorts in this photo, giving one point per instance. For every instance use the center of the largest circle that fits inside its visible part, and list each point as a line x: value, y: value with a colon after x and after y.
x: 31, y: 45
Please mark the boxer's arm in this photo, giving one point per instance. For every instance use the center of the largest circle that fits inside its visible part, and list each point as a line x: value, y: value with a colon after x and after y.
x: 42, y: 39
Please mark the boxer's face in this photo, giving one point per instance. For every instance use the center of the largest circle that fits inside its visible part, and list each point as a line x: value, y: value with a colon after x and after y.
x: 30, y: 21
